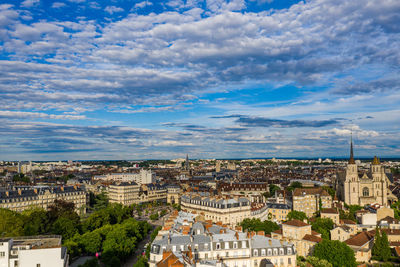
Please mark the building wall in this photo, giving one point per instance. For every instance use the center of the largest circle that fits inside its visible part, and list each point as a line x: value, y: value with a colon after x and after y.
x: 44, y: 200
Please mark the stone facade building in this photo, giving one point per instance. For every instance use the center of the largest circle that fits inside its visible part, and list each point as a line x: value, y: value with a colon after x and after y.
x: 366, y: 188
x: 195, y: 243
x: 309, y: 200
x: 42, y: 197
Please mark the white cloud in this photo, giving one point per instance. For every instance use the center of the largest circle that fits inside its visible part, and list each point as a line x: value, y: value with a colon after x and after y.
x: 29, y: 3
x: 113, y: 9
x: 58, y: 5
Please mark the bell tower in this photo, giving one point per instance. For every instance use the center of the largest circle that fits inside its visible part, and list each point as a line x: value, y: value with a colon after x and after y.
x: 352, y: 180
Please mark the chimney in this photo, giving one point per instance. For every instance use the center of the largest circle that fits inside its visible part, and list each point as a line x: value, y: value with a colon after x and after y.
x: 35, y: 190
x: 19, y: 191
x: 7, y: 193
x: 62, y: 188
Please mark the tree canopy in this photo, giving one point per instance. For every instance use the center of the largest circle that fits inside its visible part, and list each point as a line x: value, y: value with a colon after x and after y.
x: 336, y: 253
x: 257, y: 225
x: 323, y: 226
x: 298, y: 215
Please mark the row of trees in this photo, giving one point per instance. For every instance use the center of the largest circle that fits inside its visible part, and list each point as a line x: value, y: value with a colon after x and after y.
x: 110, y: 230
x: 257, y: 225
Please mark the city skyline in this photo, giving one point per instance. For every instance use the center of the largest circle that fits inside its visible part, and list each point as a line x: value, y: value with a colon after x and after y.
x: 212, y: 79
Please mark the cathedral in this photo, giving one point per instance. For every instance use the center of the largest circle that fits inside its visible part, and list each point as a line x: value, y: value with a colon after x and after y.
x: 370, y: 187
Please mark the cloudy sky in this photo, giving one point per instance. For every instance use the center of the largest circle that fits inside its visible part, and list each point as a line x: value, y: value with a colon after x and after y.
x: 124, y: 79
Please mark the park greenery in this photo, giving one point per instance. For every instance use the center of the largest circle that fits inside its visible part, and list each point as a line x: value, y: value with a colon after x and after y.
x: 257, y: 225
x: 111, y: 231
x: 296, y: 215
x: 336, y: 253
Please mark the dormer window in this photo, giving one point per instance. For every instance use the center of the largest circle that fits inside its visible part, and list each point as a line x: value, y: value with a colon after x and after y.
x: 218, y: 246
x: 255, y: 252
x: 235, y: 244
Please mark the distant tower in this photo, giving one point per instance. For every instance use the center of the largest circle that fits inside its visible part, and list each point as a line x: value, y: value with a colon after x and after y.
x: 19, y: 167
x: 218, y: 166
x: 187, y: 168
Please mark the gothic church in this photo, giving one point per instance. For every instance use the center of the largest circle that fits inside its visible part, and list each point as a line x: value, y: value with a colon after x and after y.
x: 366, y: 188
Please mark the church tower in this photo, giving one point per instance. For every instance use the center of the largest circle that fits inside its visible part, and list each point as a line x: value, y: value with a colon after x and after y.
x: 352, y: 179
x: 379, y: 181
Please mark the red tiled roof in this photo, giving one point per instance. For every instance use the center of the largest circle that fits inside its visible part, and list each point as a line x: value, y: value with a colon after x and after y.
x: 330, y: 210
x: 359, y: 239
x: 310, y: 191
x: 312, y: 238
x: 296, y: 223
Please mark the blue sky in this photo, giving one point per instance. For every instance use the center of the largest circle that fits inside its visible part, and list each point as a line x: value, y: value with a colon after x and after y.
x: 123, y: 79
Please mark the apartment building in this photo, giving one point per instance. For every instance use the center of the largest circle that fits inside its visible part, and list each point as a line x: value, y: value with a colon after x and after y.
x: 308, y: 200
x: 33, y: 251
x: 196, y: 243
x: 230, y: 211
x: 42, y: 197
x: 143, y: 177
x: 278, y: 212
x: 253, y: 191
x: 125, y: 193
x: 300, y: 234
x: 153, y: 192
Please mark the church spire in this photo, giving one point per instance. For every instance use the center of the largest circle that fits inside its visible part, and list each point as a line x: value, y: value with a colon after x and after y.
x: 351, y: 160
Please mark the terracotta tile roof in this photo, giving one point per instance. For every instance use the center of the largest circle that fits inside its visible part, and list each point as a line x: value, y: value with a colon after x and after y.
x: 346, y: 221
x: 330, y: 210
x: 312, y: 238
x: 315, y: 233
x: 387, y: 231
x: 359, y: 239
x: 278, y: 231
x: 296, y: 223
x: 310, y: 191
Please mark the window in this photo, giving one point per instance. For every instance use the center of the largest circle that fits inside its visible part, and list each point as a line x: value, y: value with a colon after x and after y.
x: 38, y: 265
x: 289, y: 261
x: 275, y: 251
x: 218, y: 246
x: 243, y: 244
x: 2, y: 254
x: 281, y: 251
x: 269, y: 252
x: 365, y: 192
x: 289, y: 251
x: 263, y: 252
x: 255, y: 252
x: 226, y: 245
x: 235, y: 244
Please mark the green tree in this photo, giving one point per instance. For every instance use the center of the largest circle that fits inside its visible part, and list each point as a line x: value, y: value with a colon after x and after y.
x: 377, y: 248
x: 315, y: 262
x: 294, y: 185
x: 36, y: 221
x: 91, y: 241
x: 323, y: 226
x: 11, y: 223
x: 154, y: 216
x: 298, y: 215
x: 94, y: 262
x: 385, y: 252
x: 336, y: 253
x: 330, y: 191
x: 141, y: 262
x: 20, y: 177
x: 256, y: 225
x: 272, y: 189
x: 65, y: 227
x: 73, y: 248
